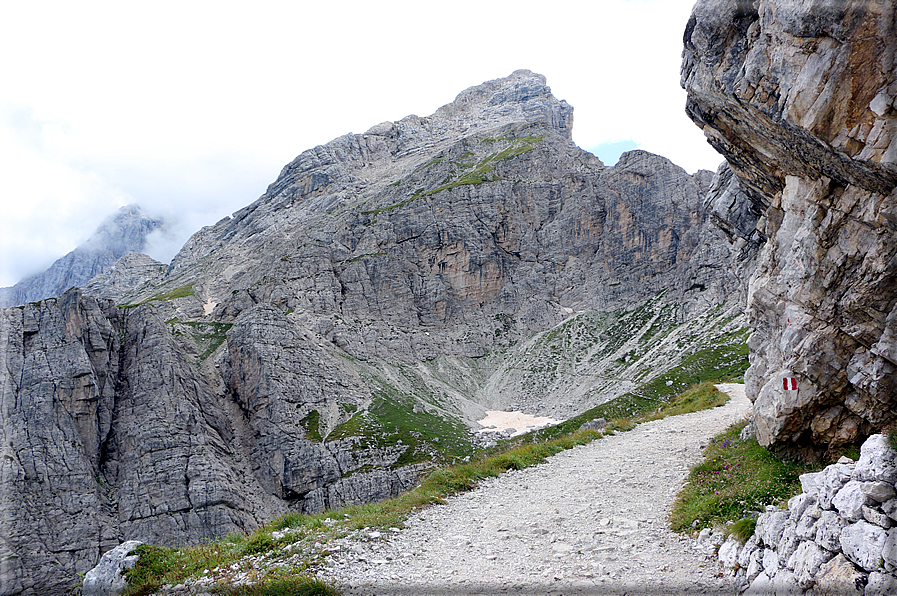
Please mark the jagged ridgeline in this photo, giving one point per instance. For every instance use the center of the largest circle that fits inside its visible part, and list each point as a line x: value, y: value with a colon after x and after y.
x: 331, y: 340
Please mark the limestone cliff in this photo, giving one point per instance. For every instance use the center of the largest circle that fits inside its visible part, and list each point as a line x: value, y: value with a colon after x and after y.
x: 326, y: 342
x: 799, y: 98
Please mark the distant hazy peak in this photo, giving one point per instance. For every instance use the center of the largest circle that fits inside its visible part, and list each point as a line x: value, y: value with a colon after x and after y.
x: 121, y: 233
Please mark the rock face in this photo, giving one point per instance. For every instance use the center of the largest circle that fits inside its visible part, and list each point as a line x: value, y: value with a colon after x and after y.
x: 327, y: 341
x: 837, y: 537
x: 121, y: 234
x: 799, y: 98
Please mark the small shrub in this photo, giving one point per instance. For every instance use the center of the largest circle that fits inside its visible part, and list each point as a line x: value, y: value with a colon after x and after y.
x: 259, y: 543
x: 288, y: 520
x: 743, y: 528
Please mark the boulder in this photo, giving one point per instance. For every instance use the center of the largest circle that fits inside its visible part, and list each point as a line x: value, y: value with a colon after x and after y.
x: 729, y: 551
x: 878, y: 461
x: 890, y: 508
x: 850, y: 500
x: 770, y: 525
x: 834, y: 477
x: 877, y: 517
x: 864, y: 543
x: 881, y: 584
x: 839, y: 577
x: 799, y: 503
x: 806, y: 561
x: 789, y: 541
x: 878, y: 491
x: 774, y: 87
x: 889, y: 550
x: 828, y: 531
x: 106, y: 578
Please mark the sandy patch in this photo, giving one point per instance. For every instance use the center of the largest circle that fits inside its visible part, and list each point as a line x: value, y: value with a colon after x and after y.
x: 208, y: 306
x: 497, y: 420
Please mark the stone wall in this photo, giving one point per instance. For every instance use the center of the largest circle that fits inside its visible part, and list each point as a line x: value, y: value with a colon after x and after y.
x: 839, y: 536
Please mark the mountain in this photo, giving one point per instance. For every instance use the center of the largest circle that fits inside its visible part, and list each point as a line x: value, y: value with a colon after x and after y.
x: 800, y: 99
x: 330, y: 341
x: 120, y: 234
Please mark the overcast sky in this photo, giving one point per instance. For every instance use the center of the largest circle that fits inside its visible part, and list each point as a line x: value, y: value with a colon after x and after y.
x: 190, y: 109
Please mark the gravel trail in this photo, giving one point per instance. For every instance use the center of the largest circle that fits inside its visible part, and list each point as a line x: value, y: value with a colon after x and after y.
x: 591, y: 520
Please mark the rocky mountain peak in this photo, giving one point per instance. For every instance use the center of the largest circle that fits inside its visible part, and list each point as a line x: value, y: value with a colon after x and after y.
x: 119, y: 234
x: 524, y: 96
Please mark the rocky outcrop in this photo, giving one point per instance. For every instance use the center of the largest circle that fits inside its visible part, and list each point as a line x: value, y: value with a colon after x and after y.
x: 106, y: 578
x: 121, y: 234
x: 110, y: 431
x: 131, y: 272
x: 837, y: 537
x: 325, y: 343
x: 799, y: 98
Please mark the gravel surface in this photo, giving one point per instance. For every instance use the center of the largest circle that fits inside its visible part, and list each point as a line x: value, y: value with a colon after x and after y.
x: 592, y: 520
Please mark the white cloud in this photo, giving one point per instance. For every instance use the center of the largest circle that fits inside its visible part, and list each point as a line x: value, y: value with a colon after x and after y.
x: 192, y: 108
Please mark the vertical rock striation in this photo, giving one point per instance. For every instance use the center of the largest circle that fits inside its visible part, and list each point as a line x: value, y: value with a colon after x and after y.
x: 799, y: 98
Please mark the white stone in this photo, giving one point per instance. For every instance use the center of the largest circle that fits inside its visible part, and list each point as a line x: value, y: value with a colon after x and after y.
x: 879, y: 491
x: 806, y: 561
x: 890, y: 508
x: 788, y: 543
x: 839, y: 577
x: 770, y: 525
x: 809, y: 485
x: 744, y: 557
x: 880, y: 103
x: 828, y: 531
x: 878, y: 461
x: 850, y: 501
x: 799, y: 503
x: 834, y: 477
x: 889, y: 550
x: 874, y: 516
x: 106, y: 579
x: 760, y: 586
x: 881, y: 584
x: 806, y: 525
x: 729, y: 551
x: 784, y: 583
x: 755, y: 566
x: 862, y: 543
x: 770, y: 560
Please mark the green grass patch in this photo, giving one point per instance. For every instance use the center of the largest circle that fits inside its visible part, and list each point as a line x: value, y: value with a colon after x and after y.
x: 479, y: 174
x: 736, y: 480
x: 207, y: 335
x: 391, y: 420
x: 283, y: 585
x: 312, y: 426
x: 743, y: 528
x: 702, y: 396
x: 181, y: 292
